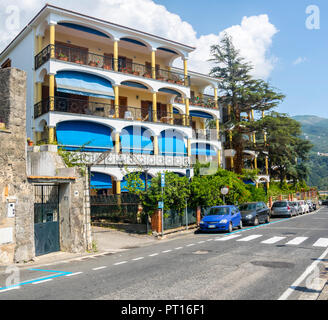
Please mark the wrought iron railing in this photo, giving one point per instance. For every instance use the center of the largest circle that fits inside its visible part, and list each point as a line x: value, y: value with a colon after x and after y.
x: 205, y: 102
x: 107, y: 62
x: 108, y: 110
x: 205, y: 134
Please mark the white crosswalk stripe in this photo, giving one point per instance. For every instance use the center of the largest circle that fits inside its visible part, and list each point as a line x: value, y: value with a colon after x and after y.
x: 296, y: 241
x: 273, y: 240
x: 250, y: 238
x: 226, y: 238
x: 322, y: 242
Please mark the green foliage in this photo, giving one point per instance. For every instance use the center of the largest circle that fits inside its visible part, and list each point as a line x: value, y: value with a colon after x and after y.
x: 134, y: 183
x: 206, y: 190
x: 241, y: 93
x: 287, y: 151
x: 176, y: 191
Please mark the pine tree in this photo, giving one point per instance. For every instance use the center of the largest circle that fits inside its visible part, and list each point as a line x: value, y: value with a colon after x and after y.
x: 241, y: 95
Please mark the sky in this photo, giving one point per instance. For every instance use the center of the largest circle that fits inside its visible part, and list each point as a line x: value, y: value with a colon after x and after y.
x: 284, y: 40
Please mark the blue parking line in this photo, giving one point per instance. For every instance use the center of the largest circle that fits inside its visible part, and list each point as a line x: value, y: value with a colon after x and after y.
x: 261, y: 225
x: 58, y: 274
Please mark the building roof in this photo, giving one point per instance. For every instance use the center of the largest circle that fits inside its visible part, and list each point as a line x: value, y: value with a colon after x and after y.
x: 54, y: 8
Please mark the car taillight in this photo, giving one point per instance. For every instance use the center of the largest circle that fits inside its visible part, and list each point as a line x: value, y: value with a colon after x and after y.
x: 288, y: 208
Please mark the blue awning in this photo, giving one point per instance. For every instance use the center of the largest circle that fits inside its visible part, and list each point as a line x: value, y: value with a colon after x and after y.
x: 202, y: 150
x: 100, y: 181
x: 84, y: 84
x: 200, y: 114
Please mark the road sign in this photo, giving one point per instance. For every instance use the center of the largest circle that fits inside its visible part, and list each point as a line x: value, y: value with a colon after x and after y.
x: 162, y: 180
x: 160, y: 204
x: 224, y: 190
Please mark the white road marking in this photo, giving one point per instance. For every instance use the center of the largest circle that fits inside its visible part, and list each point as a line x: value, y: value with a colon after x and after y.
x: 99, y: 268
x: 8, y: 289
x: 308, y: 271
x: 41, y: 281
x: 118, y: 263
x: 178, y: 248
x: 250, y: 238
x: 322, y: 242
x: 273, y: 240
x: 201, y: 242
x: 153, y: 255
x: 226, y: 238
x: 73, y: 274
x: 139, y: 258
x: 189, y: 245
x: 209, y: 240
x: 166, y: 251
x: 297, y: 241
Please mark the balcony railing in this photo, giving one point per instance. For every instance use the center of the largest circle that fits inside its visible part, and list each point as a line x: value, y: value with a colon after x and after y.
x: 108, y: 110
x: 133, y: 159
x: 107, y: 62
x: 205, y: 134
x: 205, y: 102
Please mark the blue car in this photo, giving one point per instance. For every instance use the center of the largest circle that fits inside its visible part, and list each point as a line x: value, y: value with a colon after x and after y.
x: 221, y: 218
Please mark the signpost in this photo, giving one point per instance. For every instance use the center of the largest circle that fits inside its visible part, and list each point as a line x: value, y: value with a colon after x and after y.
x: 162, y: 204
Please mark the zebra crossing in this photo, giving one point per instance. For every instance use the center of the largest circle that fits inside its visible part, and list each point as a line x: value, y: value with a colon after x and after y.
x: 317, y: 243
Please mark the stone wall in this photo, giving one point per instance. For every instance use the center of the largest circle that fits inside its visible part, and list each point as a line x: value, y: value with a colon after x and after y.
x: 16, y: 233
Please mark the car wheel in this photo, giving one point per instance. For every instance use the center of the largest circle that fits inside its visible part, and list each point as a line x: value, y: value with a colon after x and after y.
x: 230, y: 227
x: 256, y: 221
x: 267, y: 220
x: 240, y: 225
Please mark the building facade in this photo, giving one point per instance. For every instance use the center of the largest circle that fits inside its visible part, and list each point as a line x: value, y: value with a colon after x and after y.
x: 95, y: 86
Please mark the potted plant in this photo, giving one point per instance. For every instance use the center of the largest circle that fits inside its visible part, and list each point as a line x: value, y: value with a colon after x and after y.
x: 93, y: 63
x: 147, y: 75
x: 136, y: 73
x: 62, y: 57
x: 107, y: 67
x: 29, y: 142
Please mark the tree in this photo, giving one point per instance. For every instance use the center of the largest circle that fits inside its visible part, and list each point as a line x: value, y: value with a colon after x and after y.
x: 287, y: 152
x: 240, y: 94
x: 176, y: 191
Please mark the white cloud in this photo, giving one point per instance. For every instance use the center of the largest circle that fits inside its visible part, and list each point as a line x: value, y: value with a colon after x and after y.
x: 253, y: 37
x: 299, y: 60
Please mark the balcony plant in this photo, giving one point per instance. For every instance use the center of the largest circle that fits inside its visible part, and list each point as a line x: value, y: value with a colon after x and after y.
x: 62, y: 56
x: 136, y: 73
x: 29, y: 142
x: 147, y: 75
x: 107, y: 67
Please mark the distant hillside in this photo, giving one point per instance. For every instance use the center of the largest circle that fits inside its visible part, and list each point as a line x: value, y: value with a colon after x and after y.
x: 315, y: 129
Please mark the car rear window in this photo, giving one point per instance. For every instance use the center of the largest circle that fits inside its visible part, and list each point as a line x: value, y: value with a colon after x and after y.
x: 280, y: 204
x: 247, y: 206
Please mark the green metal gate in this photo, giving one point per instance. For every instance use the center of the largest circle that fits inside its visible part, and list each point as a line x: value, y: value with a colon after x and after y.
x: 46, y: 219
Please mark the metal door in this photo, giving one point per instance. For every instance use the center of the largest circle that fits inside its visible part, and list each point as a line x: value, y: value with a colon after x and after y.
x: 46, y: 219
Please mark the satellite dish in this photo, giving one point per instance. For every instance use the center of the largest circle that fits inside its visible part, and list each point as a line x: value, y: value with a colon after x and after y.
x: 224, y: 190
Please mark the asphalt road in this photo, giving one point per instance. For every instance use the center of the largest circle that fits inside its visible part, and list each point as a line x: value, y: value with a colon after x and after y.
x: 257, y: 263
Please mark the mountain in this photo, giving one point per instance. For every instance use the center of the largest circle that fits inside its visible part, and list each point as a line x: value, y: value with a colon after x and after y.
x: 315, y: 129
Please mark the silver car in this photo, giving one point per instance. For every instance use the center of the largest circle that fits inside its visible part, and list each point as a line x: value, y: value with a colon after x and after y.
x: 297, y: 207
x: 283, y: 208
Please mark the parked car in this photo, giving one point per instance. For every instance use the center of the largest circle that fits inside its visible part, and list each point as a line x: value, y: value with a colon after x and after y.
x: 297, y: 207
x: 310, y: 204
x: 254, y: 213
x: 221, y: 218
x: 283, y: 208
x: 315, y: 206
x: 305, y: 206
x: 325, y: 202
